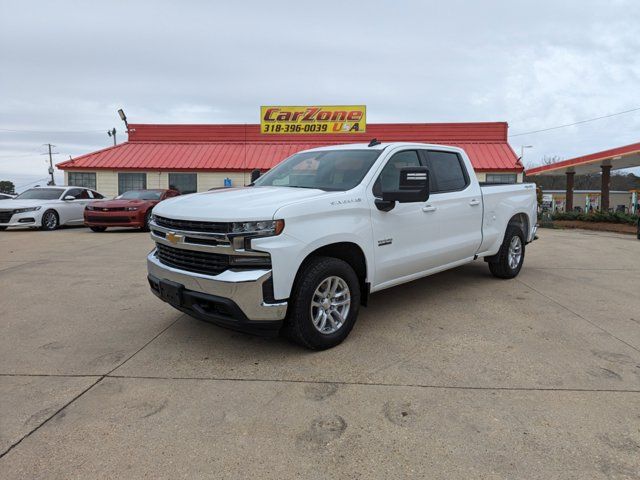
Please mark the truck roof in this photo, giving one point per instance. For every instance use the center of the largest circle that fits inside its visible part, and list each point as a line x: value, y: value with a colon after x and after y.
x: 381, y: 146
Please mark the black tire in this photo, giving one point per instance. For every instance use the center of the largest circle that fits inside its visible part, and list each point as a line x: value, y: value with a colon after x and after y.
x: 50, y: 220
x: 98, y: 229
x: 499, y: 264
x: 299, y: 325
x: 147, y: 219
x: 2, y: 228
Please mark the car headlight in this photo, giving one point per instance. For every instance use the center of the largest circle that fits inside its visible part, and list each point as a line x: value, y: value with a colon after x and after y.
x: 263, y: 228
x: 89, y: 207
x: 132, y: 209
x: 30, y: 209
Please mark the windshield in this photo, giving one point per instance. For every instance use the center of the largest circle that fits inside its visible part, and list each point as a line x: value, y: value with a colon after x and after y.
x: 141, y: 195
x: 40, y: 194
x: 326, y: 170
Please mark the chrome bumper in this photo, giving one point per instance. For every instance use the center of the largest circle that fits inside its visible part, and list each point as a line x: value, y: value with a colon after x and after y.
x: 244, y: 288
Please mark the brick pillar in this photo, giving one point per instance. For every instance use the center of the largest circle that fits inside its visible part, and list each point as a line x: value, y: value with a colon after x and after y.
x: 568, y: 205
x: 604, y: 189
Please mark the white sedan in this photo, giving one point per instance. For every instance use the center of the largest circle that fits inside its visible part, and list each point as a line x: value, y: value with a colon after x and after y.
x: 47, y: 207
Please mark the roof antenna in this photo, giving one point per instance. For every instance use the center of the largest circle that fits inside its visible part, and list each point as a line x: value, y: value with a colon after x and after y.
x: 374, y: 142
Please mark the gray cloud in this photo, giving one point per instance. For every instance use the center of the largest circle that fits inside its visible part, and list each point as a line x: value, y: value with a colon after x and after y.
x: 68, y: 66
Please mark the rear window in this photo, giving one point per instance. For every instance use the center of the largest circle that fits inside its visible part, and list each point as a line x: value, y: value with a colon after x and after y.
x: 447, y: 171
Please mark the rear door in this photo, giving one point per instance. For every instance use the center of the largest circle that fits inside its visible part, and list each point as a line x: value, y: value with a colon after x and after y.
x: 455, y: 206
x: 74, y: 209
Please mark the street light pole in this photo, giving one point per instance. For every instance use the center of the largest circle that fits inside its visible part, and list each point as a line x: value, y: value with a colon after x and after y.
x: 522, y: 150
x: 112, y: 133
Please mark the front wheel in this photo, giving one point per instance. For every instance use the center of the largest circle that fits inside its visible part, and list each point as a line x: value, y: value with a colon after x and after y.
x: 50, y: 220
x: 147, y: 219
x: 508, y: 261
x: 324, y: 305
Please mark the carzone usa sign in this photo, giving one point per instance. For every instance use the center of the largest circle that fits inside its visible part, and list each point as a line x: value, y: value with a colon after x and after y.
x: 313, y: 119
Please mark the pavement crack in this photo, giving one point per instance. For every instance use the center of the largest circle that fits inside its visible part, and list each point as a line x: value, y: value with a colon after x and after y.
x: 378, y: 384
x: 76, y: 397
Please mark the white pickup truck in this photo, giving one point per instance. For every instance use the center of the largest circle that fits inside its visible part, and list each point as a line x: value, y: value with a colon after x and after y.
x: 303, y: 246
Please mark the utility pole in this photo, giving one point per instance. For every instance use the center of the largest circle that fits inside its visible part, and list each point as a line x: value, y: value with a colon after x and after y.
x: 53, y: 180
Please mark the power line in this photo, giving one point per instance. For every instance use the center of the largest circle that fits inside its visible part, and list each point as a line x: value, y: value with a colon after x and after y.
x: 31, y: 183
x: 59, y: 132
x: 575, y: 123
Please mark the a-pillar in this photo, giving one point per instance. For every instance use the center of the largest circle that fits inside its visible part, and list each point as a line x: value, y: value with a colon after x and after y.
x: 568, y: 206
x: 604, y: 188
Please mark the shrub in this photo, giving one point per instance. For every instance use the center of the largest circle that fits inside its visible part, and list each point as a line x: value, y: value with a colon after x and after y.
x: 609, y: 217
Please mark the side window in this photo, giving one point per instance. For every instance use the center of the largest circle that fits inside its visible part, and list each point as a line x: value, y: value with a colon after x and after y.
x: 389, y: 177
x: 74, y: 192
x: 84, y: 194
x: 96, y: 194
x: 447, y: 171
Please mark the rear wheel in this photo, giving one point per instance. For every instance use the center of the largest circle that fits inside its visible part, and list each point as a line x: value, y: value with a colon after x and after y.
x: 508, y: 261
x: 98, y: 229
x: 324, y: 306
x: 50, y: 220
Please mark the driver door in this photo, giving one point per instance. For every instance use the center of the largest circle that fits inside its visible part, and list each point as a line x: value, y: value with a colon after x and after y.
x: 403, y: 237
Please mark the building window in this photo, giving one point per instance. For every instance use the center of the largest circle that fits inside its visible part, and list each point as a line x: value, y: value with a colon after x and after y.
x: 501, y: 178
x: 184, y: 182
x: 131, y: 181
x: 83, y: 179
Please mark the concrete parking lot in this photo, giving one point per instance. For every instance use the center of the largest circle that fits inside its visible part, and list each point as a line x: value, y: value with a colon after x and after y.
x: 459, y: 375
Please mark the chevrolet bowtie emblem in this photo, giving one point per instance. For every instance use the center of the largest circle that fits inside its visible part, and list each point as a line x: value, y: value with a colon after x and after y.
x: 173, y: 237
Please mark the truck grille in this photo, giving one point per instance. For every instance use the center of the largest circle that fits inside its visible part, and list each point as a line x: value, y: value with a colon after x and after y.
x: 192, y: 261
x: 5, y: 216
x: 192, y: 226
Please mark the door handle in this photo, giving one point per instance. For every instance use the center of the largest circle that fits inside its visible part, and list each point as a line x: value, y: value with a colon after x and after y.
x: 429, y: 208
x: 474, y: 202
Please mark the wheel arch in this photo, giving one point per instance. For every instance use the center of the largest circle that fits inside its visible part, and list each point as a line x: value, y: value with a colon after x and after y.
x: 520, y: 220
x: 350, y: 253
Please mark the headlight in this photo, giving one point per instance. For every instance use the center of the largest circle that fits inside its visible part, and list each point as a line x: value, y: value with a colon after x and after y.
x: 30, y: 209
x: 89, y: 207
x: 132, y: 209
x: 262, y: 228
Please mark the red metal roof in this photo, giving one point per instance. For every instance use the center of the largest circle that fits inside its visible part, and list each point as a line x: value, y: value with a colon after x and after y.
x: 605, y: 157
x: 243, y: 147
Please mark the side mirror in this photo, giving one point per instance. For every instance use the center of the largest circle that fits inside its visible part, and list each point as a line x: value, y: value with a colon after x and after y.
x: 255, y: 174
x: 69, y: 197
x: 413, y: 187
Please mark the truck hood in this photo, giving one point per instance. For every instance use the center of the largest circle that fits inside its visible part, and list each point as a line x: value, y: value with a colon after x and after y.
x: 234, y: 204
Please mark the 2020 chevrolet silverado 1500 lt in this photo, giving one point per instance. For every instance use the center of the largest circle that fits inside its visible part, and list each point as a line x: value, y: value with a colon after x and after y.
x: 304, y: 245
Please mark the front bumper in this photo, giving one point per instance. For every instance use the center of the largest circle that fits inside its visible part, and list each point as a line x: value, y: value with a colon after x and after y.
x: 233, y: 298
x: 96, y: 218
x: 24, y: 219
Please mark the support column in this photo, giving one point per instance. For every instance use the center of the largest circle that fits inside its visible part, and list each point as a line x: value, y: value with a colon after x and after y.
x: 568, y: 204
x: 604, y: 189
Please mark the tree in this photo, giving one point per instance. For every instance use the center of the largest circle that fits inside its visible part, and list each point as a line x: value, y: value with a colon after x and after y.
x: 7, y: 186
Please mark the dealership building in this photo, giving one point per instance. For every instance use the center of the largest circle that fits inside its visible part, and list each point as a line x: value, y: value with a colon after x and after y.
x: 194, y: 158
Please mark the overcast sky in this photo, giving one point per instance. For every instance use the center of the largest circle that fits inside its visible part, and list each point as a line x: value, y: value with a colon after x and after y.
x: 67, y: 66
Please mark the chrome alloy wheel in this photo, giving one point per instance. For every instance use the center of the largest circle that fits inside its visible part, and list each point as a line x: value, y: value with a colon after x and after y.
x: 515, y: 252
x: 330, y: 305
x: 50, y: 220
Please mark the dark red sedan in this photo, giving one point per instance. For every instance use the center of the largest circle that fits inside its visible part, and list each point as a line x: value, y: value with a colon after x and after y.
x: 131, y: 209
